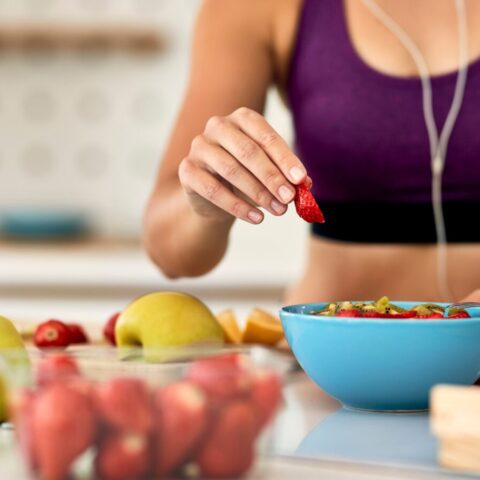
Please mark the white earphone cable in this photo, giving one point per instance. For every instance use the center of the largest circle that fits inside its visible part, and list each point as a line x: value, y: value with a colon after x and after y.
x: 438, y: 144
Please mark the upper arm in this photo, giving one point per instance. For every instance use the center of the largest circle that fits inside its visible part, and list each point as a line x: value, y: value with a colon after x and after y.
x: 231, y: 66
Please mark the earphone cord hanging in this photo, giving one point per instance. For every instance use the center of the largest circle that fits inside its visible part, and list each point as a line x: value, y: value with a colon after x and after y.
x: 438, y: 145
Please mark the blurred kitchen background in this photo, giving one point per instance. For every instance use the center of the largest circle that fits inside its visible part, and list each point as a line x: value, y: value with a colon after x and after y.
x: 88, y: 93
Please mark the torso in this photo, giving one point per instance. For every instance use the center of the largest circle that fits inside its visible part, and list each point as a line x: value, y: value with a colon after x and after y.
x: 345, y: 270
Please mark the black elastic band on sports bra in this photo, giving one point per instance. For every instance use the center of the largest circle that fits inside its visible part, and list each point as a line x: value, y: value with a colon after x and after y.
x: 398, y: 222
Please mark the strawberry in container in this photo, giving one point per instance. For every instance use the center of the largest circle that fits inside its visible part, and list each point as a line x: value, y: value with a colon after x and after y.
x: 206, y: 419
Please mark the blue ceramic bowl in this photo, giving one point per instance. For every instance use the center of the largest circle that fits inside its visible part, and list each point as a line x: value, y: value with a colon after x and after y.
x: 42, y: 224
x: 383, y: 364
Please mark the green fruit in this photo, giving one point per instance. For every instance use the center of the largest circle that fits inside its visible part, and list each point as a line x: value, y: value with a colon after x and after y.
x: 12, y: 355
x: 167, y: 319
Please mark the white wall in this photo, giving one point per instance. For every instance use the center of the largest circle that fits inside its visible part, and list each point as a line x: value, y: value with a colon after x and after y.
x: 85, y: 131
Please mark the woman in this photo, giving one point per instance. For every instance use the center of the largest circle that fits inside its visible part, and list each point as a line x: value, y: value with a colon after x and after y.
x: 356, y: 101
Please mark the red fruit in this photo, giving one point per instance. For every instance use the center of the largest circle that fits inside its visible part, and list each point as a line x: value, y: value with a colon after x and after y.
x: 56, y: 367
x: 126, y: 404
x: 228, y: 450
x: 398, y: 316
x: 77, y: 334
x: 52, y: 333
x: 306, y: 205
x: 109, y: 328
x: 223, y: 377
x: 23, y: 405
x: 182, y: 416
x: 349, y: 313
x: 461, y: 314
x: 431, y: 315
x: 407, y: 314
x: 266, y: 395
x: 123, y: 456
x: 63, y: 428
x: 373, y: 314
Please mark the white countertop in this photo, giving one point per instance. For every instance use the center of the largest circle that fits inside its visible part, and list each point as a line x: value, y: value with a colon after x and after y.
x: 311, y: 440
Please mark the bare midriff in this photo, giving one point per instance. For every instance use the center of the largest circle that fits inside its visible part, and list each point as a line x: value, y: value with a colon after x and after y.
x: 338, y: 271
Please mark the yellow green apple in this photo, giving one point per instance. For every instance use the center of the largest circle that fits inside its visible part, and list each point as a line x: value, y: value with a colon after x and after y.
x: 12, y: 354
x: 167, y: 319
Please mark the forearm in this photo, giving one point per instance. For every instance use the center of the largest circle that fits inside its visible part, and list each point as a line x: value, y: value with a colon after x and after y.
x: 178, y: 240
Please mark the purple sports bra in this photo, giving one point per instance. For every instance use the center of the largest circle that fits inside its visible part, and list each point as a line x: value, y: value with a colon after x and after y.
x: 362, y: 137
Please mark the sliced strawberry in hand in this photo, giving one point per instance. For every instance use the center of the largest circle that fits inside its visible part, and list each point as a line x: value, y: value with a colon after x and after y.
x: 306, y: 205
x: 52, y: 333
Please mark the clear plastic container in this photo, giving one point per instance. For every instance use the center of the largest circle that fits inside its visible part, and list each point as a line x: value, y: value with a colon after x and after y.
x: 105, y: 413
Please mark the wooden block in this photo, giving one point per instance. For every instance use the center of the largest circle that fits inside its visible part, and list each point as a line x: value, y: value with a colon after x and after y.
x: 455, y: 413
x: 460, y: 454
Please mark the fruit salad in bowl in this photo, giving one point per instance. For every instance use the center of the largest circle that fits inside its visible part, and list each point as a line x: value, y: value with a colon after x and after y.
x: 198, y: 417
x: 384, y: 355
x: 384, y: 308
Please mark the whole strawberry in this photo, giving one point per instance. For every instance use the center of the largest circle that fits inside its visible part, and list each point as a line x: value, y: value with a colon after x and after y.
x: 181, y: 420
x: 109, y: 329
x: 63, y: 427
x: 52, y: 333
x: 306, y: 205
x: 54, y: 368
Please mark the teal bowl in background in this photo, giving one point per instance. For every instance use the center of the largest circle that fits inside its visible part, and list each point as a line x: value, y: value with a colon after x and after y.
x: 383, y: 364
x: 42, y: 224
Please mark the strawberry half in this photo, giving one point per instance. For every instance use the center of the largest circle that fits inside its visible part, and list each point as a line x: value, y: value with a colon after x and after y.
x: 77, y: 334
x: 461, y: 314
x: 306, y: 205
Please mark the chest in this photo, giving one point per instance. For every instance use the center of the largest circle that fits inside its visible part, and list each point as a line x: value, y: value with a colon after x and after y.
x: 431, y: 24
x: 361, y: 131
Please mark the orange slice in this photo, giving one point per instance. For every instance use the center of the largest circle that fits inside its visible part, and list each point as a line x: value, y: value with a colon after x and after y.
x: 262, y: 327
x: 229, y: 324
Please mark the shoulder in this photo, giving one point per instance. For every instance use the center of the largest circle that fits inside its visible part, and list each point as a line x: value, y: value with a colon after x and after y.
x: 259, y: 17
x: 267, y: 24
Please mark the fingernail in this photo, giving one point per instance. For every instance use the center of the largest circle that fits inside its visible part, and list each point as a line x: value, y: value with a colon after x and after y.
x: 255, y: 217
x: 297, y: 174
x: 286, y: 193
x: 278, y: 207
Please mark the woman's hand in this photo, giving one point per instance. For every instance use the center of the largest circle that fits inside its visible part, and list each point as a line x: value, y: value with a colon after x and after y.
x: 237, y: 164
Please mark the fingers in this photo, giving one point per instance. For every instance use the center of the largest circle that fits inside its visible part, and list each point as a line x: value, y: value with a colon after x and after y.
x: 238, y: 163
x: 249, y: 154
x: 258, y: 129
x: 227, y: 167
x: 200, y: 181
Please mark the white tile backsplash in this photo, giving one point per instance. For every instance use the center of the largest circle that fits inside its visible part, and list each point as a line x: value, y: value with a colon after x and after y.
x: 86, y: 130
